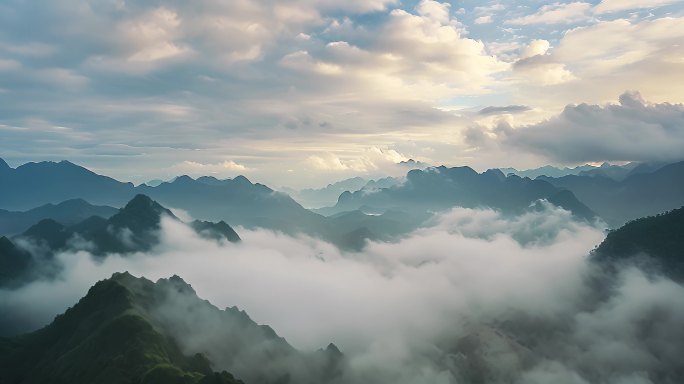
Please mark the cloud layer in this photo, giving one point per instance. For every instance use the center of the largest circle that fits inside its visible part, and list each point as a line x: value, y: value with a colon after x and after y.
x: 631, y: 130
x: 517, y: 290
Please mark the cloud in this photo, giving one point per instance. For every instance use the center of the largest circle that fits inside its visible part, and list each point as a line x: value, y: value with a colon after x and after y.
x: 593, y: 63
x: 227, y: 167
x: 269, y: 82
x: 535, y: 48
x: 555, y: 13
x: 493, y: 7
x: 506, y: 109
x: 476, y: 295
x: 372, y: 159
x: 542, y: 69
x: 608, y: 6
x: 633, y: 130
x: 483, y: 19
x: 275, y: 83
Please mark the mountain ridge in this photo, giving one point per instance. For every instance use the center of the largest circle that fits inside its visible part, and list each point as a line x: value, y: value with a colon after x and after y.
x: 638, y: 195
x: 132, y: 330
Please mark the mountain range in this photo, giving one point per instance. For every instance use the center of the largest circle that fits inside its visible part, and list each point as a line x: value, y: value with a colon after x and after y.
x: 612, y: 171
x: 648, y: 189
x: 441, y: 188
x: 67, y: 212
x: 134, y: 228
x: 236, y: 201
x: 322, y: 197
x: 645, y: 192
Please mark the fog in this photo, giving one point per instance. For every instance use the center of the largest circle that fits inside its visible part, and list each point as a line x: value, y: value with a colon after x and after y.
x: 476, y: 297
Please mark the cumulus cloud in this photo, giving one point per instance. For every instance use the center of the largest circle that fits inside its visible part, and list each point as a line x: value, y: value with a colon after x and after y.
x: 593, y: 63
x: 633, y: 130
x: 475, y: 296
x: 226, y: 167
x: 541, y: 69
x: 371, y: 159
x: 534, y: 48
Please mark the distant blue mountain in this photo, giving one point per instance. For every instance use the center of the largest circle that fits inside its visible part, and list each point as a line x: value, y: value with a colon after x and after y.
x: 612, y: 171
x: 646, y: 191
x: 68, y: 212
x: 35, y: 184
x: 441, y: 188
x: 321, y: 197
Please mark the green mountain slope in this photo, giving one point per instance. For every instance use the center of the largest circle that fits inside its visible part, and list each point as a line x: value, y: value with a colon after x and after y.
x: 108, y: 337
x: 656, y: 241
x: 132, y: 330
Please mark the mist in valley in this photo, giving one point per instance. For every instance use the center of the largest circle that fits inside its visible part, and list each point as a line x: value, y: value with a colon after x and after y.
x: 475, y: 297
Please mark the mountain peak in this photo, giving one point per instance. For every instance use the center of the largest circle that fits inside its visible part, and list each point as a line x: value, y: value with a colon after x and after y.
x: 45, y: 225
x: 332, y: 349
x: 215, y: 231
x: 142, y: 203
x: 242, y: 180
x: 122, y: 277
x: 177, y: 284
x: 495, y: 173
x: 183, y: 179
x: 344, y: 196
x: 140, y: 215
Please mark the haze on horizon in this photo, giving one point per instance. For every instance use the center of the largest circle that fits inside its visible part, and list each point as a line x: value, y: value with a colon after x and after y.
x: 303, y: 92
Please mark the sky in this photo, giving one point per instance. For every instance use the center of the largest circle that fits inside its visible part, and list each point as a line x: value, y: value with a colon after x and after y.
x: 306, y: 92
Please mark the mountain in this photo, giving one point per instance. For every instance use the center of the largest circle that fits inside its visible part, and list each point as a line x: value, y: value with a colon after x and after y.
x: 236, y: 201
x: 132, y: 330
x: 14, y: 263
x: 547, y: 170
x: 640, y: 194
x: 615, y: 172
x: 154, y: 183
x: 215, y: 231
x: 439, y: 189
x: 612, y: 171
x: 68, y: 212
x: 654, y: 242
x: 134, y: 228
x: 34, y: 184
x: 4, y: 167
x: 320, y: 197
x: 413, y: 164
x: 315, y: 198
